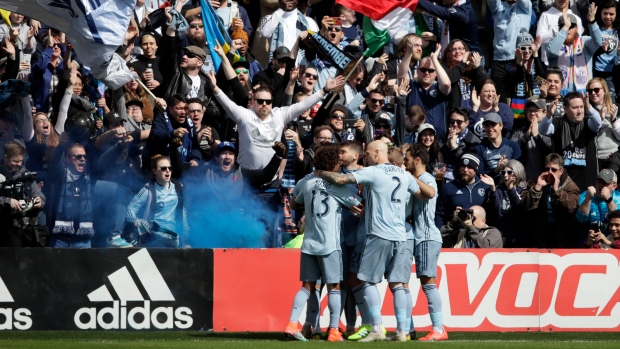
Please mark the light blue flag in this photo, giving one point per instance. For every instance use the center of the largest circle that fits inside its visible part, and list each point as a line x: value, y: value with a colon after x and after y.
x: 96, y: 28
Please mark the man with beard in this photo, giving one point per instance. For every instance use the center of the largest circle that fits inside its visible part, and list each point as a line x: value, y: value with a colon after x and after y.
x: 574, y: 137
x: 284, y: 25
x: 573, y: 53
x: 240, y: 42
x: 374, y: 99
x: 426, y: 92
x: 509, y: 18
x: 332, y: 33
x: 465, y: 191
x: 173, y: 123
x: 547, y: 27
x: 460, y: 139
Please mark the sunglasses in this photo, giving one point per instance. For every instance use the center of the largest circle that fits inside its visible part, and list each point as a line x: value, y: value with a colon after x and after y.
x: 79, y: 157
x: 308, y: 75
x: 239, y: 71
x: 525, y: 48
x: 426, y: 70
x: 506, y: 172
x: 165, y: 168
x: 283, y: 60
x: 192, y: 55
x: 337, y: 116
x: 375, y: 101
x: 384, y: 127
x: 261, y: 101
x: 554, y: 170
x: 458, y: 122
x: 336, y: 29
x: 358, y: 79
x: 595, y: 90
x: 194, y: 26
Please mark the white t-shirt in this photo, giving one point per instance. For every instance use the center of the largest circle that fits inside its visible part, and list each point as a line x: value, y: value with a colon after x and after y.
x: 193, y: 93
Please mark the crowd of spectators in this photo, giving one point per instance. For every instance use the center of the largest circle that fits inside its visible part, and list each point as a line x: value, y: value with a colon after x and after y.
x: 523, y: 136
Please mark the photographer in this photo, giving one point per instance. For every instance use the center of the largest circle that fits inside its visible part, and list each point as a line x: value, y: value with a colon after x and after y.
x: 21, y: 200
x: 475, y: 234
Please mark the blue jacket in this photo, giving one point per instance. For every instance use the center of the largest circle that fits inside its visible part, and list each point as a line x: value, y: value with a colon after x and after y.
x: 490, y: 155
x: 462, y: 22
x: 598, y: 211
x: 508, y: 21
x: 42, y: 76
x: 454, y: 194
x: 162, y: 133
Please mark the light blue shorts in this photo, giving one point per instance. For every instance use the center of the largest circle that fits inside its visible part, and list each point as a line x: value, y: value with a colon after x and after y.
x: 426, y: 256
x: 327, y: 269
x: 383, y: 257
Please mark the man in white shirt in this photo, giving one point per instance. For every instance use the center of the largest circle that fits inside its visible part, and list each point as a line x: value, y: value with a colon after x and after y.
x: 260, y: 126
x: 284, y: 25
x: 548, y: 24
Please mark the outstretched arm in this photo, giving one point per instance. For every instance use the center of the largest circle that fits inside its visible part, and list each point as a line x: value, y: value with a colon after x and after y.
x: 336, y: 178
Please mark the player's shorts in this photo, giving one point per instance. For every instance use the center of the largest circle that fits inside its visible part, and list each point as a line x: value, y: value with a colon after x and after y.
x: 409, y: 248
x: 327, y: 268
x: 383, y: 257
x: 354, y: 263
x: 426, y: 255
x: 347, y: 254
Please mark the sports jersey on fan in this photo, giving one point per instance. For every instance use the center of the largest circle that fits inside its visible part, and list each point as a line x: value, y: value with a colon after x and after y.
x: 387, y: 190
x: 424, y: 228
x: 322, y: 201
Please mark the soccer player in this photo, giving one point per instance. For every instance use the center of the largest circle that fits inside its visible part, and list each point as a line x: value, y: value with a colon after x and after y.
x: 387, y: 189
x: 321, y: 256
x: 427, y: 238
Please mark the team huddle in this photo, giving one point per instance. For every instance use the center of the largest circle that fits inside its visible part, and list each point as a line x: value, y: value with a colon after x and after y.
x: 378, y: 234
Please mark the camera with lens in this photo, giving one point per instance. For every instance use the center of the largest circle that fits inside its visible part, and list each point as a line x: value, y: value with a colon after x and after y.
x: 463, y: 214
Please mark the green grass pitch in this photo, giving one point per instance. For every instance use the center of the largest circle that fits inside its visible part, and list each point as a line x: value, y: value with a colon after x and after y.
x: 188, y: 340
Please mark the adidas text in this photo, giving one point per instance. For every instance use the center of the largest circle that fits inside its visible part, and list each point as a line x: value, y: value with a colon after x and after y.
x: 18, y: 319
x: 120, y: 317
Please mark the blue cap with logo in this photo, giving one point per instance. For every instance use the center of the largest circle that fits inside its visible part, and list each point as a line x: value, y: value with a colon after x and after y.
x: 226, y: 145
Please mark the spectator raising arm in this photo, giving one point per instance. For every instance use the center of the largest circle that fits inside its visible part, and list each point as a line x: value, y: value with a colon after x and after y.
x: 445, y: 85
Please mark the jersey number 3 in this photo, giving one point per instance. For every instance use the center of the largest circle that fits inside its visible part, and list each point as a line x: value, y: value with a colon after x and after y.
x: 324, y: 202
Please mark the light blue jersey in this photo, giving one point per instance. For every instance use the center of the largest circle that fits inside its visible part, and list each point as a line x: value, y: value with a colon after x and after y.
x: 424, y: 228
x: 349, y: 222
x: 322, y: 201
x: 387, y: 190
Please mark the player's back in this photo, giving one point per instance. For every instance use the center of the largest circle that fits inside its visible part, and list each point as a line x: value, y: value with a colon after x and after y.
x: 387, y: 190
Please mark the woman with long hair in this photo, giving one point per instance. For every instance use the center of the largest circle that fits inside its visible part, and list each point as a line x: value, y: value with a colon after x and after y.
x: 464, y: 70
x: 608, y: 138
x: 426, y: 137
x: 504, y: 210
x: 132, y: 91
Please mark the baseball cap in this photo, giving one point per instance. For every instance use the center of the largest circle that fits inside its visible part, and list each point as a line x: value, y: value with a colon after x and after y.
x: 282, y: 52
x: 241, y: 64
x: 608, y: 176
x: 493, y: 117
x: 535, y: 101
x: 200, y: 53
x: 226, y: 145
x: 135, y: 102
x: 470, y: 160
x: 339, y: 107
x: 112, y: 119
x: 426, y: 127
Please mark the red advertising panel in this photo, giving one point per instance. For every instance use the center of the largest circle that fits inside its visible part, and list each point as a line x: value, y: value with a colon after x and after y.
x: 481, y: 290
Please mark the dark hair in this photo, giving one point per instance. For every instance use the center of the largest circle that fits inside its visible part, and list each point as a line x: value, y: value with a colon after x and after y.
x: 263, y: 88
x: 176, y: 99
x: 416, y: 150
x: 461, y: 111
x: 194, y: 100
x: 603, y: 5
x: 485, y: 82
x: 192, y: 18
x: 556, y: 71
x: 73, y: 146
x: 613, y: 214
x: 447, y: 58
x: 353, y: 145
x: 326, y: 158
x: 570, y: 96
x: 556, y: 159
x: 338, y: 10
x: 297, y: 95
x: 376, y: 91
x: 12, y: 149
x: 434, y: 153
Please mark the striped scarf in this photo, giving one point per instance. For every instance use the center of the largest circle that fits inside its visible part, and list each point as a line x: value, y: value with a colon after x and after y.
x: 524, y: 90
x: 574, y: 66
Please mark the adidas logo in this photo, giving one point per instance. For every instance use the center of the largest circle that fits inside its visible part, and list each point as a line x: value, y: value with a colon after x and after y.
x: 18, y: 318
x: 459, y: 192
x: 139, y: 317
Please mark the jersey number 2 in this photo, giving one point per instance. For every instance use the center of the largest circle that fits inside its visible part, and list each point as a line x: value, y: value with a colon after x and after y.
x: 397, y: 180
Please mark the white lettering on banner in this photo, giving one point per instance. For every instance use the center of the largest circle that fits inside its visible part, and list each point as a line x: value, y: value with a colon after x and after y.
x: 9, y: 318
x: 515, y: 290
